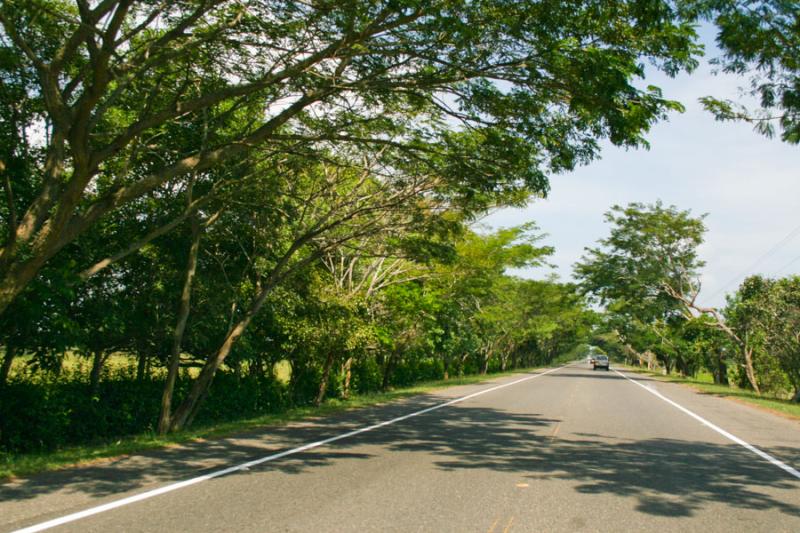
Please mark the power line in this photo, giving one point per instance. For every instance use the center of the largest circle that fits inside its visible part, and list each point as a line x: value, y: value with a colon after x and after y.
x: 787, y: 265
x: 791, y: 235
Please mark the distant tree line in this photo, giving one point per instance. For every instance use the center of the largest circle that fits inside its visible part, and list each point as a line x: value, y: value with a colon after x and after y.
x: 646, y: 275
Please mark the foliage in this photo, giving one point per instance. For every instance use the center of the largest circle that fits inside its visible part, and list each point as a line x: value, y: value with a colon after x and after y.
x: 760, y: 39
x: 767, y: 313
x: 649, y: 256
x: 138, y: 99
x: 378, y: 324
x: 646, y: 275
x: 210, y: 189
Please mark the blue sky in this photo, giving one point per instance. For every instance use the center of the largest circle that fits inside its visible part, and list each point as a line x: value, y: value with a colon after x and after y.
x: 747, y: 184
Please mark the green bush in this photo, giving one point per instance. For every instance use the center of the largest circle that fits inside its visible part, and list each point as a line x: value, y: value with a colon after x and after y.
x: 366, y: 376
x: 47, y: 414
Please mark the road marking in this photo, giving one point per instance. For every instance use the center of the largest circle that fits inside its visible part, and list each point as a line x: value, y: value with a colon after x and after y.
x: 729, y: 436
x: 491, y: 529
x: 245, y: 466
x: 508, y: 526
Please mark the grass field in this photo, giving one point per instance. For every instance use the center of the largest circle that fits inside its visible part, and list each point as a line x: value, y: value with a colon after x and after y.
x: 73, y: 362
x: 704, y: 383
x: 26, y: 464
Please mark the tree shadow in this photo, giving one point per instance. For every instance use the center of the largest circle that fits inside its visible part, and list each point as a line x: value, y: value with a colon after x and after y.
x: 665, y: 477
x: 591, y: 374
x: 107, y: 477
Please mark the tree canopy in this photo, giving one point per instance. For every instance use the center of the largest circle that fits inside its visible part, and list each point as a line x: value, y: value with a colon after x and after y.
x: 126, y: 100
x: 650, y: 254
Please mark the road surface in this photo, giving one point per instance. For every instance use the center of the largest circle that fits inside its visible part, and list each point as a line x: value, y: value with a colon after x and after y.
x: 566, y: 450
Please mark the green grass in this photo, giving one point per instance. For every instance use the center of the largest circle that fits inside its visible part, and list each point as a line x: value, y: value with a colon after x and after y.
x: 704, y: 383
x: 12, y: 465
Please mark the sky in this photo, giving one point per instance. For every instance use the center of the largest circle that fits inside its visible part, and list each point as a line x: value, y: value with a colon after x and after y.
x: 748, y: 185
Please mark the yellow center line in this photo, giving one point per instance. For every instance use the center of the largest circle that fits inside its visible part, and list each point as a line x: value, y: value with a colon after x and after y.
x: 491, y: 529
x: 508, y: 526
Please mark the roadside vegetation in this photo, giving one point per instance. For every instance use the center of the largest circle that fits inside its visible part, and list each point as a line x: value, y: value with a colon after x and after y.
x: 218, y: 211
x: 210, y: 188
x: 319, y: 338
x: 646, y: 275
x: 23, y: 464
x: 704, y: 382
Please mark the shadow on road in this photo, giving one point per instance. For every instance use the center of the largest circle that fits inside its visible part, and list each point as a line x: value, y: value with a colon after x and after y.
x: 665, y: 477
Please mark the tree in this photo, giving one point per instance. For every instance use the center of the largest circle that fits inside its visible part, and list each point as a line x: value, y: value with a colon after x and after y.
x: 303, y: 219
x: 766, y: 315
x: 363, y: 270
x: 708, y: 345
x: 648, y: 260
x: 551, y: 319
x: 476, y: 283
x: 533, y: 86
x: 759, y: 39
x: 783, y: 328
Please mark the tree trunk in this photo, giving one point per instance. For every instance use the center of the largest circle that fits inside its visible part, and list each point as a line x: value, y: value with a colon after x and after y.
x: 463, y: 362
x: 198, y: 390
x: 721, y: 376
x: 8, y: 360
x: 188, y: 408
x: 387, y: 371
x: 141, y: 367
x: 748, y: 368
x: 683, y: 367
x: 326, y: 373
x: 348, y: 374
x: 196, y: 408
x: 485, y: 362
x: 669, y: 365
x: 165, y: 416
x: 15, y: 280
x: 98, y: 361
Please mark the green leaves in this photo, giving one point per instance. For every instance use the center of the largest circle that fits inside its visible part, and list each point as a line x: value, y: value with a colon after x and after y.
x: 650, y: 254
x: 649, y: 246
x: 492, y: 96
x: 767, y: 313
x: 759, y: 39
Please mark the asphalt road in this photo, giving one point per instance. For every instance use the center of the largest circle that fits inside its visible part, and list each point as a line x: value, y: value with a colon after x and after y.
x: 572, y: 450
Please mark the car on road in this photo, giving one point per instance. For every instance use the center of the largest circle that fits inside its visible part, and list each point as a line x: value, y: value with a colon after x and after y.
x: 600, y: 361
x: 592, y: 353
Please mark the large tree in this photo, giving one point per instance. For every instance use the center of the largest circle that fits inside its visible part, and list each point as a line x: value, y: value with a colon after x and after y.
x: 533, y: 85
x: 645, y: 265
x: 282, y: 226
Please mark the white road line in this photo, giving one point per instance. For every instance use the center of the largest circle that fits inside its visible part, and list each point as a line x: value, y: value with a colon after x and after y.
x: 729, y: 436
x: 244, y: 466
